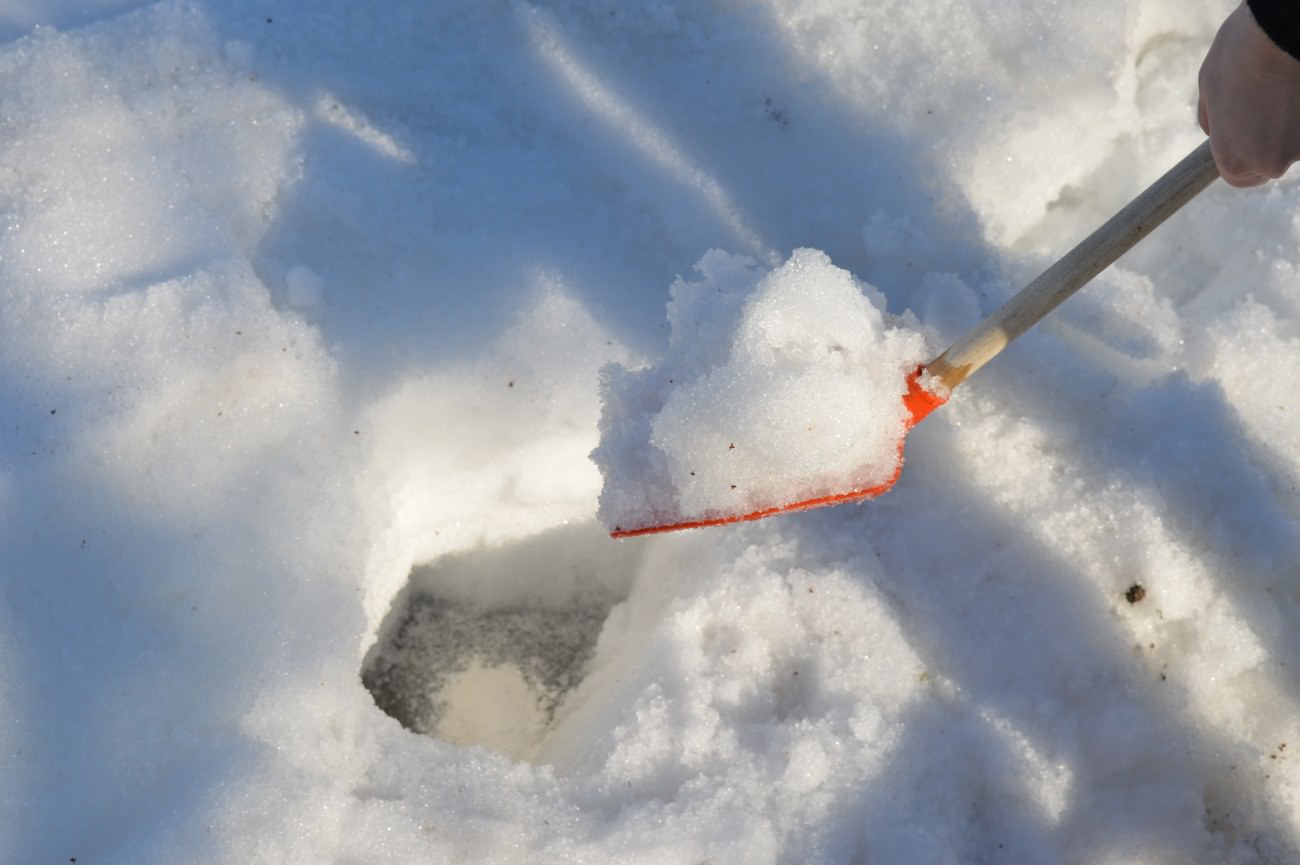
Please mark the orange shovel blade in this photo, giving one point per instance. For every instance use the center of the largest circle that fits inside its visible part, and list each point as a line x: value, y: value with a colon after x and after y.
x: 919, y: 401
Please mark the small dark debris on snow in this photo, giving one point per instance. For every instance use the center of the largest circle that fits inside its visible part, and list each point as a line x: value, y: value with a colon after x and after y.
x: 1135, y: 593
x: 776, y: 114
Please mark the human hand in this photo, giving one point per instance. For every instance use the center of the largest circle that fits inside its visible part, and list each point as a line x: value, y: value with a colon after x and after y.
x: 1250, y: 102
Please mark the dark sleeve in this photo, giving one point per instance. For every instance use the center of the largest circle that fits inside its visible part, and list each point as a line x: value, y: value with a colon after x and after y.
x: 1280, y: 20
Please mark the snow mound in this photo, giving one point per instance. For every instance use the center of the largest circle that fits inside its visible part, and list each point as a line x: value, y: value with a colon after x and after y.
x: 777, y: 387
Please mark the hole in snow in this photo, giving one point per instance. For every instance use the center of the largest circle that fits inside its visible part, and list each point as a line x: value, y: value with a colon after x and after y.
x: 481, y: 648
x: 483, y: 677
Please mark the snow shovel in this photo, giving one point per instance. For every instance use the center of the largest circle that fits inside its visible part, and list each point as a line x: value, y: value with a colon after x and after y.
x: 1074, y: 270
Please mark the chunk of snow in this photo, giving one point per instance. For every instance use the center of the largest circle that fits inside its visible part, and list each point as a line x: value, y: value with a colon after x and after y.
x: 778, y: 387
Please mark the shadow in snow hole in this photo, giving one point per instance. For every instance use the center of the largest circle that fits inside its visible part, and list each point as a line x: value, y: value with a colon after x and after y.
x: 481, y: 648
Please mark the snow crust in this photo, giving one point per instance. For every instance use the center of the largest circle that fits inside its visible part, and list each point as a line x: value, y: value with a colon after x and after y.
x: 776, y: 388
x: 303, y: 308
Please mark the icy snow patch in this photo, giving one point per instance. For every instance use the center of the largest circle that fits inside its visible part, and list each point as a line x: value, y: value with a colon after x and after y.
x: 777, y: 387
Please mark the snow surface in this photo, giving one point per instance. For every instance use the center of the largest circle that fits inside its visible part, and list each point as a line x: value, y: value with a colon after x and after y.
x: 777, y: 387
x: 302, y: 312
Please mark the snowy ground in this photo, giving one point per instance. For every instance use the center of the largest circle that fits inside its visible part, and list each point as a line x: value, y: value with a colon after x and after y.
x: 302, y: 311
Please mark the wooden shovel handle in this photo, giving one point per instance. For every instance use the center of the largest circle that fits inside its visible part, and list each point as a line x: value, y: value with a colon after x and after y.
x: 1098, y: 251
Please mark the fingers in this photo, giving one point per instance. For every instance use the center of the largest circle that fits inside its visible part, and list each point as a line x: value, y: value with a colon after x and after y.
x: 1243, y: 181
x: 1243, y: 163
x: 1235, y: 170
